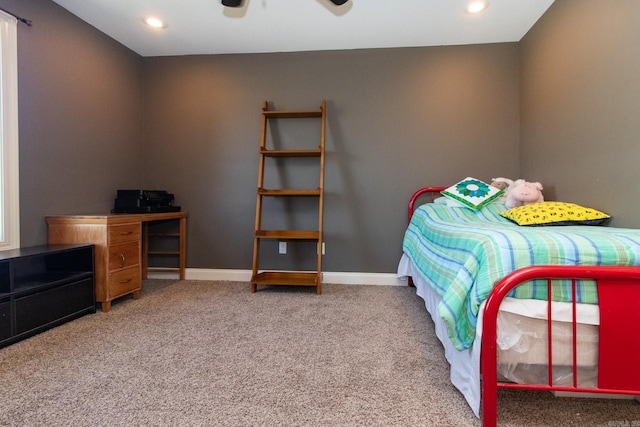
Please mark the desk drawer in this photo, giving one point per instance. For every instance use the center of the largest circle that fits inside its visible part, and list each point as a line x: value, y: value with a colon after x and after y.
x: 124, y: 255
x: 124, y: 233
x: 124, y: 281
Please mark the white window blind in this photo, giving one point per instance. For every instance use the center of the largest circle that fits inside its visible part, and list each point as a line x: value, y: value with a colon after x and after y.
x: 9, y: 178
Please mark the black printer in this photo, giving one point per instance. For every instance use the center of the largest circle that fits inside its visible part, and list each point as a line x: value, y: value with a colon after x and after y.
x: 144, y: 201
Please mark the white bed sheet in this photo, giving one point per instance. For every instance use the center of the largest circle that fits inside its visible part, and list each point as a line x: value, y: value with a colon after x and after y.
x: 465, y: 365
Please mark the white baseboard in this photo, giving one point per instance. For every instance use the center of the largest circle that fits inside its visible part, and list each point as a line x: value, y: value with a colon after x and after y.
x: 342, y: 278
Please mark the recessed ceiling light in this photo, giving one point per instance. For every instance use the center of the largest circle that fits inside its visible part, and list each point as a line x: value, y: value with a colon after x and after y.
x: 477, y: 6
x: 154, y: 22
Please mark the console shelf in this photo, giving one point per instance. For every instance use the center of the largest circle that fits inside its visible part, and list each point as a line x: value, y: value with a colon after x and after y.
x: 42, y: 287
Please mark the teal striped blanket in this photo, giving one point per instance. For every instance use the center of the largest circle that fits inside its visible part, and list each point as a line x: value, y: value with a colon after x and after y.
x: 463, y: 253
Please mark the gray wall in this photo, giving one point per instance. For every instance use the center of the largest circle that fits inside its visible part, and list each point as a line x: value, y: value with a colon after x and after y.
x: 80, y: 112
x: 580, y: 105
x: 95, y: 117
x: 398, y: 119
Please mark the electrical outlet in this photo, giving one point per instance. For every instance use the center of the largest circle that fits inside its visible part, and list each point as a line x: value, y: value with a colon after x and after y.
x: 282, y: 247
x: 322, y: 248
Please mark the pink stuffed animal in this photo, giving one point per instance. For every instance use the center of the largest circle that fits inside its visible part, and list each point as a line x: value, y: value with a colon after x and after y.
x: 523, y: 193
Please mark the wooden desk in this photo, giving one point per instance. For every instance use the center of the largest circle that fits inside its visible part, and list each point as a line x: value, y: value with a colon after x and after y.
x: 121, y: 250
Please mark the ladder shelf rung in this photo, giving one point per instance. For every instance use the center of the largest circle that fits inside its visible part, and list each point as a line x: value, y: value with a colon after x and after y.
x: 312, y: 152
x: 285, y: 278
x: 291, y: 114
x: 288, y: 234
x: 289, y: 192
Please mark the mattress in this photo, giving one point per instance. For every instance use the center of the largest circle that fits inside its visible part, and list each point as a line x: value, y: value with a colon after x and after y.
x: 522, y: 330
x: 522, y: 341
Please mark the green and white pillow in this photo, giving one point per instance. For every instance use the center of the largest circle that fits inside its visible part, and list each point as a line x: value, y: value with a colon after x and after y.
x: 472, y: 192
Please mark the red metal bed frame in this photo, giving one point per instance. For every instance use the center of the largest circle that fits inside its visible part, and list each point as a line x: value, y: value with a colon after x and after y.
x: 618, y: 346
x: 432, y: 193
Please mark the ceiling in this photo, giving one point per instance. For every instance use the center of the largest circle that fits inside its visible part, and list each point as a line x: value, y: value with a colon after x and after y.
x: 208, y: 27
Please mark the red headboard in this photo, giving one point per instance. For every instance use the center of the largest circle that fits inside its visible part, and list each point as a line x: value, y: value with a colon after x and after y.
x: 433, y: 192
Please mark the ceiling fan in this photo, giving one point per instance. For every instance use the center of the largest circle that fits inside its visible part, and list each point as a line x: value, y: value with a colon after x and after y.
x: 238, y: 3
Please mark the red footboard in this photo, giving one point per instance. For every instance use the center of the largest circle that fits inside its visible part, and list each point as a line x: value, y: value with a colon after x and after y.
x: 619, y: 332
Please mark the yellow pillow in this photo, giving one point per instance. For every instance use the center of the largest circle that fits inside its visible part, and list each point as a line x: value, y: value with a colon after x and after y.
x: 555, y: 213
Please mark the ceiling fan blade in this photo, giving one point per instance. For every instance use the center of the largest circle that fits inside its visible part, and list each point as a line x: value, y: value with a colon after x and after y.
x: 238, y: 3
x: 232, y: 3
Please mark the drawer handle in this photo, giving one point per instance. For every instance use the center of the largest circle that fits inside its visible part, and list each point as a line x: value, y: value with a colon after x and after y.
x: 121, y: 260
x: 126, y: 233
x: 126, y: 281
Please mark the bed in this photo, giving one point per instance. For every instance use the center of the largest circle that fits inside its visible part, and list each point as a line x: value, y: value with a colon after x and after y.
x: 485, y: 282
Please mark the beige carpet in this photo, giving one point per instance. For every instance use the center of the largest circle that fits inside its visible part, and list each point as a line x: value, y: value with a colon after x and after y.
x: 199, y: 353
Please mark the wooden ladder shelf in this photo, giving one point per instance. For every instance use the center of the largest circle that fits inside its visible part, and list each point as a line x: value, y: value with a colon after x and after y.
x: 295, y: 278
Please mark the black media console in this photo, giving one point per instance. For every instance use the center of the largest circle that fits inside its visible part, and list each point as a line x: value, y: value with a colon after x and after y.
x: 42, y: 287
